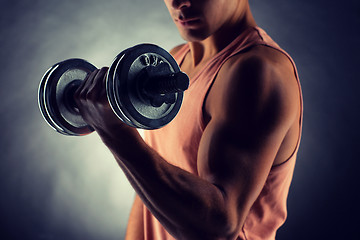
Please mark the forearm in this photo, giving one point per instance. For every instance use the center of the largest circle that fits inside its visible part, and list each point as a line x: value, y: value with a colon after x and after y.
x: 186, y: 205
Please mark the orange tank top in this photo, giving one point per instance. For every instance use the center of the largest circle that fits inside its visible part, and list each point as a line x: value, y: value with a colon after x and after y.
x: 178, y: 143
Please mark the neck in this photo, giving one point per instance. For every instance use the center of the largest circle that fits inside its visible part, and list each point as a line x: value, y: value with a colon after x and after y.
x: 203, y: 50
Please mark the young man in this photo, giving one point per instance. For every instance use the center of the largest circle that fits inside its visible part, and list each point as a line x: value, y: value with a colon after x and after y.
x: 222, y: 168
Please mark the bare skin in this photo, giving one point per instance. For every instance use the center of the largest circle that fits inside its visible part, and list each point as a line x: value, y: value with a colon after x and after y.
x: 239, y: 145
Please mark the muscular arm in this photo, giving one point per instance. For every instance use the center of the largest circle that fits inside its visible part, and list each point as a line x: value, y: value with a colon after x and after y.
x: 250, y: 110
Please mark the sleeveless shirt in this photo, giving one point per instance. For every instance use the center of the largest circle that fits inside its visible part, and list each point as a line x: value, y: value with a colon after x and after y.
x: 178, y: 143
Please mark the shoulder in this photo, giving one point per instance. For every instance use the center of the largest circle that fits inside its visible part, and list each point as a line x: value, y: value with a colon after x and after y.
x: 259, y: 80
x: 176, y: 49
x: 262, y: 63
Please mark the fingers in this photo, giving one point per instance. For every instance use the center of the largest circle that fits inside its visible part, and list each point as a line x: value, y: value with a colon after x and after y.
x: 93, y: 87
x: 81, y: 92
x: 97, y: 87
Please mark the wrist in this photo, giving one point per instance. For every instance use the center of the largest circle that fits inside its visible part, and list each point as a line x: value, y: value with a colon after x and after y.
x: 124, y: 142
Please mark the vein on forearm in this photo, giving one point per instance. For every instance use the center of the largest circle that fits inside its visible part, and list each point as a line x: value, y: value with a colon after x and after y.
x: 179, y: 199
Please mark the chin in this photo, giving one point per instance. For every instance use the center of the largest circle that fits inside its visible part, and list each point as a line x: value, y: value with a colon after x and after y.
x: 193, y: 36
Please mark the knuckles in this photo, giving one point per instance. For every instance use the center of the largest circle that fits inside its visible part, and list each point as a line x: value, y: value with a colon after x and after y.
x: 92, y: 90
x: 92, y: 100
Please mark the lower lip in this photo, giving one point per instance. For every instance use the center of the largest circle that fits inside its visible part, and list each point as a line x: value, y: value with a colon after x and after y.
x: 190, y: 23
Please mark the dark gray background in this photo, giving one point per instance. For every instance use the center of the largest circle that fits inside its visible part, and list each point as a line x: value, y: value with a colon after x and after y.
x: 57, y: 187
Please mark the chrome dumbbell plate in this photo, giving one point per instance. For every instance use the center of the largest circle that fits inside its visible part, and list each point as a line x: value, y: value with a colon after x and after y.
x: 124, y: 86
x: 55, y: 105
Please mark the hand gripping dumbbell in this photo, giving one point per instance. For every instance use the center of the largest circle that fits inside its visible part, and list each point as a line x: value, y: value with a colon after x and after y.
x: 144, y: 87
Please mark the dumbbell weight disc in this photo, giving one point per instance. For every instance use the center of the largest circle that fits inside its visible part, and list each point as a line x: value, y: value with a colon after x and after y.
x: 53, y: 104
x: 110, y: 89
x: 41, y: 101
x: 122, y: 80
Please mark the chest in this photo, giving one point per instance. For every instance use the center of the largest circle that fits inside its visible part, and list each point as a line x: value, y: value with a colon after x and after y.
x: 192, y: 69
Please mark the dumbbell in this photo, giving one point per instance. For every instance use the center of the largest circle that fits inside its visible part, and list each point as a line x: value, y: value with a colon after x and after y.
x: 144, y: 87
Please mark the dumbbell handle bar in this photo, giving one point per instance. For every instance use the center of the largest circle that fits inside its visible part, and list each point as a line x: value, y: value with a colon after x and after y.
x: 175, y: 82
